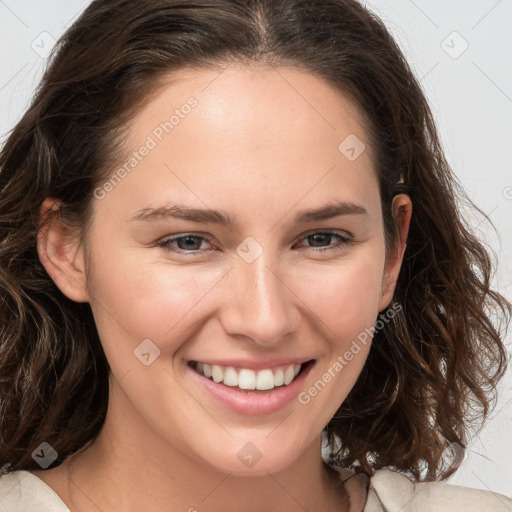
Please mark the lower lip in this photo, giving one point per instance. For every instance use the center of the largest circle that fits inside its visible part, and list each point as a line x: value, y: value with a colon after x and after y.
x: 252, y: 404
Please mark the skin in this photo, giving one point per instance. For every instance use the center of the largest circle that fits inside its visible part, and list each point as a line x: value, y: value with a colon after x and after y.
x: 261, y: 145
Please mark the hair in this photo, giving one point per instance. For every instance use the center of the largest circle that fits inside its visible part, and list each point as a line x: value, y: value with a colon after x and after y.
x: 432, y: 370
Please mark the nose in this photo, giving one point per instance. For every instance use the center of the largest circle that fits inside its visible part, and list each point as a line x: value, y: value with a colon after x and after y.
x: 259, y: 304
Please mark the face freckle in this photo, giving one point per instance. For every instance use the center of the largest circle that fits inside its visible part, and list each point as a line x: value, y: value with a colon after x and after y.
x: 237, y: 171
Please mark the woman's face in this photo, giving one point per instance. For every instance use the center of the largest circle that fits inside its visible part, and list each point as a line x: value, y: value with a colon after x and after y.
x: 257, y: 282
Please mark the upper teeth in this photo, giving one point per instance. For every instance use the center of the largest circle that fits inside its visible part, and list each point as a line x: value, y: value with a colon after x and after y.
x: 245, y: 378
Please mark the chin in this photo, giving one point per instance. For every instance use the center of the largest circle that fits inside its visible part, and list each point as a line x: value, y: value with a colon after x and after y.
x: 245, y: 458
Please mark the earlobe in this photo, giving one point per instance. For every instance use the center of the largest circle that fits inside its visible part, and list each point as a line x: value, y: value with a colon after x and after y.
x: 402, y: 212
x: 61, y: 253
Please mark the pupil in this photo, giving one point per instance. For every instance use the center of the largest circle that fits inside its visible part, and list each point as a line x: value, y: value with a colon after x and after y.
x: 187, y: 241
x: 322, y: 237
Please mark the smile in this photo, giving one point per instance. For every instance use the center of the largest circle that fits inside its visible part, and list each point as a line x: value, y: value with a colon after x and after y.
x: 262, y: 389
x: 247, y: 379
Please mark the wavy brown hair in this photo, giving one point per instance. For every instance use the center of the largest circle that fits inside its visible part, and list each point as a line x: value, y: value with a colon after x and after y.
x: 432, y: 370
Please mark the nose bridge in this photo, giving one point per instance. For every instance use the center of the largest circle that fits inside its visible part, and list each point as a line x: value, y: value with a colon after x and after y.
x: 262, y: 306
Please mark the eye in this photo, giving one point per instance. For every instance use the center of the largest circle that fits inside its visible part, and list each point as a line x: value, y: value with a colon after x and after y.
x: 187, y: 243
x: 322, y: 238
x: 192, y: 243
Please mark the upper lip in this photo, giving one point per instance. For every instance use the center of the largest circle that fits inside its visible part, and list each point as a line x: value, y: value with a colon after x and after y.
x: 254, y: 365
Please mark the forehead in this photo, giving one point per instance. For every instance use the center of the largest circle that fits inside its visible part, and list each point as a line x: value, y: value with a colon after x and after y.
x: 266, y: 132
x: 276, y: 103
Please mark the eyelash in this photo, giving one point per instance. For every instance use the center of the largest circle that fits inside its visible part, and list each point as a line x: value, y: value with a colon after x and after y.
x: 344, y: 240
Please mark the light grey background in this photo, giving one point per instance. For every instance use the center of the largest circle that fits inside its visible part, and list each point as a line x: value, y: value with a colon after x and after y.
x: 470, y: 92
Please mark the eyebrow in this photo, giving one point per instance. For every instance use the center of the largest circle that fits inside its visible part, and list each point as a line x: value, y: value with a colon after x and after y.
x: 334, y: 209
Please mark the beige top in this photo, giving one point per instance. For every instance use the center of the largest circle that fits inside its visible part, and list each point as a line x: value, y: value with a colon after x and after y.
x: 388, y: 491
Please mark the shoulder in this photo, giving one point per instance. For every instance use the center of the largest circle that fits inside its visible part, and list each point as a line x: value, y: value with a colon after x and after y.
x: 21, y: 491
x: 390, y: 491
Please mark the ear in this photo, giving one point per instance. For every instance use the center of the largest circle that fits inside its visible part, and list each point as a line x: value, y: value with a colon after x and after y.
x: 402, y: 212
x: 61, y: 253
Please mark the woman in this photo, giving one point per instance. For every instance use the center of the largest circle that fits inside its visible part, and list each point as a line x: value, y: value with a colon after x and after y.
x: 229, y: 232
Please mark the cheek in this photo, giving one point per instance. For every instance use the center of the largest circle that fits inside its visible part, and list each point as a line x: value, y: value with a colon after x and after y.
x: 346, y: 304
x: 143, y: 299
x: 346, y: 296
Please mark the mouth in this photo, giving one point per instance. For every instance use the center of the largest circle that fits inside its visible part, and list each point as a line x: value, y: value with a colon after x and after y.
x: 247, y: 380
